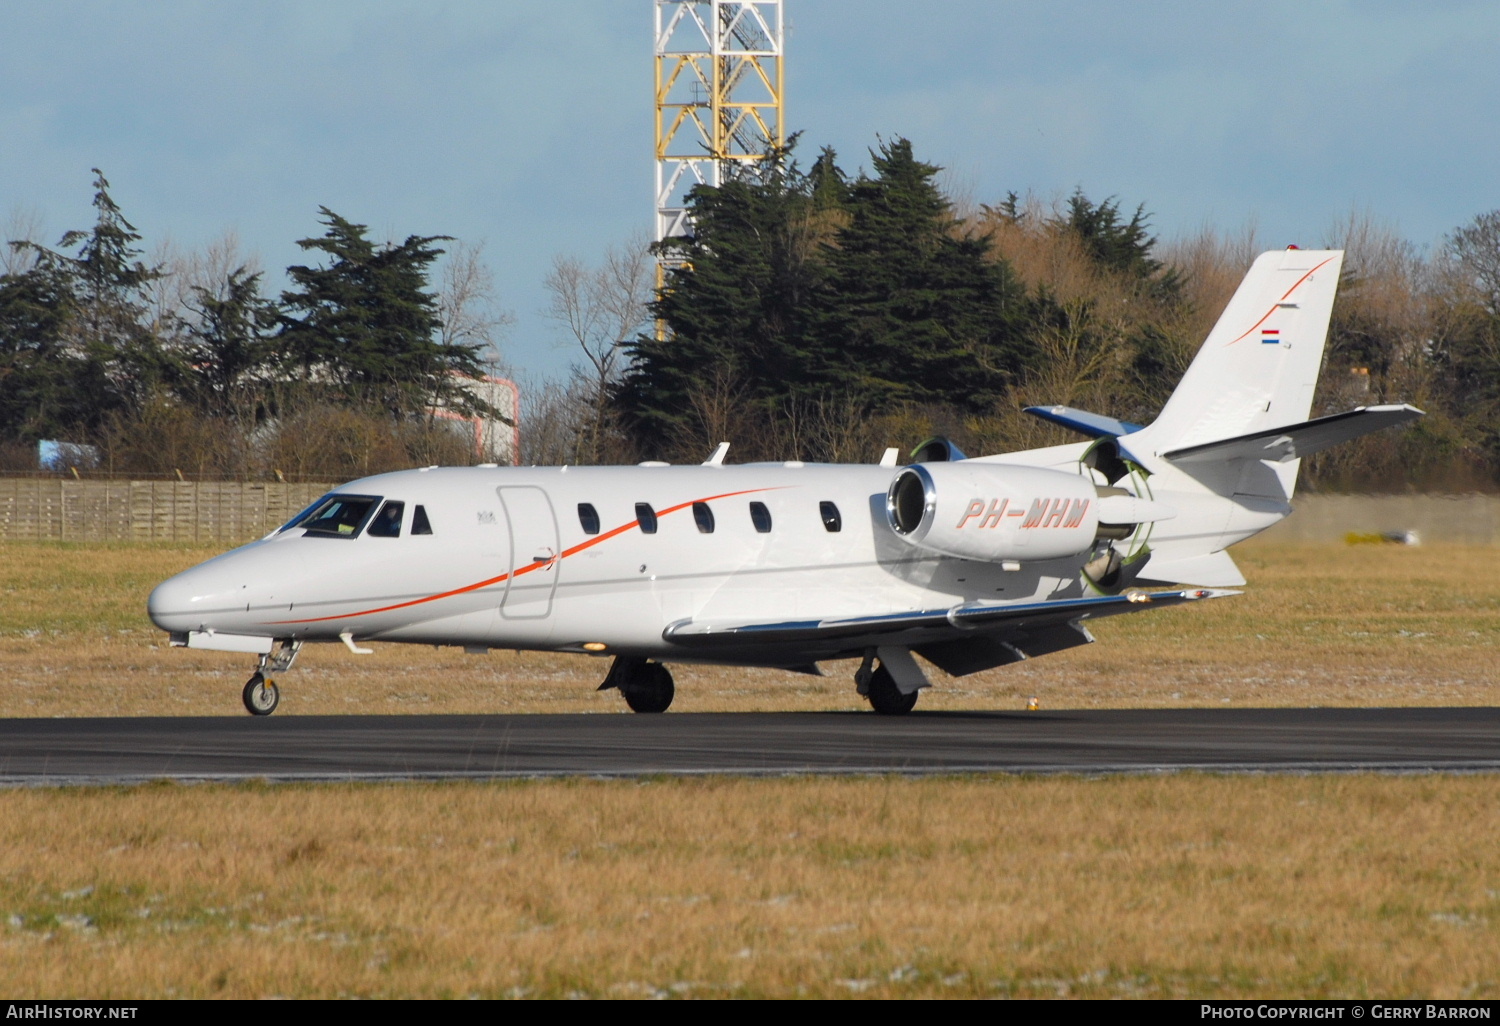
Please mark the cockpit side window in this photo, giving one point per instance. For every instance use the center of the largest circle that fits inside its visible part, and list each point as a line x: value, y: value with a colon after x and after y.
x: 338, y: 516
x: 419, y: 522
x: 387, y: 523
x: 296, y: 521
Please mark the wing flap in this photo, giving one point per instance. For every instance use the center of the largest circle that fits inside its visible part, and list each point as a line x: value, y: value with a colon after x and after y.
x: 933, y: 624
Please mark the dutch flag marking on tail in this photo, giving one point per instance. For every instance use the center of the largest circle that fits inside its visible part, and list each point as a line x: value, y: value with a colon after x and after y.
x: 1270, y: 334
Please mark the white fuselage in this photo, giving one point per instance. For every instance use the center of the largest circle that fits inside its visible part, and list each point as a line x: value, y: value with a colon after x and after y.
x: 509, y: 562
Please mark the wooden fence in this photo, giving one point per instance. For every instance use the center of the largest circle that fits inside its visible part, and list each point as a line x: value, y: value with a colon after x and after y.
x: 221, y: 512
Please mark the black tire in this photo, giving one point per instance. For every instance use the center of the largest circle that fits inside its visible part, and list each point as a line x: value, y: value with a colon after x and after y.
x: 886, y: 698
x: 261, y: 696
x: 649, y: 688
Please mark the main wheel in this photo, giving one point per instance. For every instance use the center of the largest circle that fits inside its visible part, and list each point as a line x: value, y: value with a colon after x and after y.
x: 886, y: 698
x: 261, y: 696
x: 649, y: 688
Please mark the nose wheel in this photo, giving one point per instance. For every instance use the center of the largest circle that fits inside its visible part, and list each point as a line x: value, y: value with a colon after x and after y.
x: 261, y: 695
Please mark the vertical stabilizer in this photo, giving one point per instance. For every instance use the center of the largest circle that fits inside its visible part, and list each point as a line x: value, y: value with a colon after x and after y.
x: 1260, y: 364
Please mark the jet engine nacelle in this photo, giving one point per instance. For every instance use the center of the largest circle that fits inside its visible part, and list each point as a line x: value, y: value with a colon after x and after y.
x: 992, y: 511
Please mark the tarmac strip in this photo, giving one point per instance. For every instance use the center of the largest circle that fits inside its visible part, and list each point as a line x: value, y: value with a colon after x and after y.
x: 60, y: 752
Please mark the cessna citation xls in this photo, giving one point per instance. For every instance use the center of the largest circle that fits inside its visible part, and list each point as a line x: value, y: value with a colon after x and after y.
x: 968, y: 563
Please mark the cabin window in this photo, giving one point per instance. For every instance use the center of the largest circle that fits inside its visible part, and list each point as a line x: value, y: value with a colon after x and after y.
x: 339, y: 516
x: 387, y: 523
x: 832, y: 522
x: 419, y: 522
x: 588, y: 518
x: 703, y: 517
x: 760, y: 517
x: 646, y: 517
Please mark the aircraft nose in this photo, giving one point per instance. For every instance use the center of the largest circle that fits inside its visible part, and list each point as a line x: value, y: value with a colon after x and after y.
x: 194, y: 599
x: 171, y: 603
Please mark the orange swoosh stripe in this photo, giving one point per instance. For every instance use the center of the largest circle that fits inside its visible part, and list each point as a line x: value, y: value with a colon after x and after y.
x: 1269, y: 312
x: 590, y: 543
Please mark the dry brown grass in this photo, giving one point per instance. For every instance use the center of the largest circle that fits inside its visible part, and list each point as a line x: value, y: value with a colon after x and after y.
x: 1342, y: 886
x: 1318, y: 625
x: 1188, y: 885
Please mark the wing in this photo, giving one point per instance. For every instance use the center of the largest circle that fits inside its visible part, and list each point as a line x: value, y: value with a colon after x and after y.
x: 961, y: 636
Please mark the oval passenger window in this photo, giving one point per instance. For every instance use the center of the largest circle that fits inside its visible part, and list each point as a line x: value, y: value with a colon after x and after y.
x: 703, y: 517
x: 646, y: 517
x: 588, y: 518
x: 760, y: 517
x: 831, y: 520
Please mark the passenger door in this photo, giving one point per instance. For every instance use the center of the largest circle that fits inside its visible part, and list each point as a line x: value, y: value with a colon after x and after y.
x: 534, y: 566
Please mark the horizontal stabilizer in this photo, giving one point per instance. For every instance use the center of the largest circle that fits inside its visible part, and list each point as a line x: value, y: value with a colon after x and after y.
x: 1095, y: 425
x: 1283, y: 444
x: 1215, y: 570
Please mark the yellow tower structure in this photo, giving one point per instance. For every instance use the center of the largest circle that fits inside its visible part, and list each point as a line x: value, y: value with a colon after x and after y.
x: 719, y: 89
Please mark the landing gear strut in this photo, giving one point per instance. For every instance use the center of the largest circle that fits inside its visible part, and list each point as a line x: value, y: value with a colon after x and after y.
x: 261, y: 695
x: 647, y: 687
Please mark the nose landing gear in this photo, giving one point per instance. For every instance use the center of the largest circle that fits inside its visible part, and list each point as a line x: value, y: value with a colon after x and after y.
x: 261, y: 695
x: 647, y: 687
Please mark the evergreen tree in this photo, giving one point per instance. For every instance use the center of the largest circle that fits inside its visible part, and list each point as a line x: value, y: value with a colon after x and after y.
x: 365, y: 328
x: 1119, y: 245
x: 917, y: 312
x: 46, y: 386
x: 737, y: 304
x: 229, y: 346
x: 76, y: 340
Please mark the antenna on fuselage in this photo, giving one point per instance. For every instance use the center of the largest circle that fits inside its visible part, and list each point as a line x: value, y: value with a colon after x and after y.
x: 717, y: 459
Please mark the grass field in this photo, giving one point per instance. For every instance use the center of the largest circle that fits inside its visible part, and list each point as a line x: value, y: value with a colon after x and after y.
x: 1326, y: 625
x: 1186, y: 885
x: 1181, y: 885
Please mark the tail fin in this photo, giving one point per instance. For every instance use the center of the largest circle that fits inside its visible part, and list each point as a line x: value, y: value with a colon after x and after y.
x: 1260, y: 364
x: 1256, y: 372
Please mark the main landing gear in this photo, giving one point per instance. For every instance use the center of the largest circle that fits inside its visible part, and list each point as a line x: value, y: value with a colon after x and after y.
x: 261, y: 695
x: 647, y: 687
x: 879, y: 686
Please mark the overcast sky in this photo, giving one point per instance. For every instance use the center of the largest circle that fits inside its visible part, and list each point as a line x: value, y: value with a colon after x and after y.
x: 529, y: 126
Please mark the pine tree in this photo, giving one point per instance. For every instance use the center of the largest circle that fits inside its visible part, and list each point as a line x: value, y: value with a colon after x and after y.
x: 365, y: 329
x: 918, y: 312
x: 76, y: 340
x: 737, y: 306
x: 228, y: 349
x: 1121, y: 246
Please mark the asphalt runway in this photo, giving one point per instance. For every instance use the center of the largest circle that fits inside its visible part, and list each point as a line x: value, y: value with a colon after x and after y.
x: 289, y: 748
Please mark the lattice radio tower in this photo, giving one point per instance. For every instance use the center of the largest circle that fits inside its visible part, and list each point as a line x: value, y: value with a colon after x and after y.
x: 719, y: 67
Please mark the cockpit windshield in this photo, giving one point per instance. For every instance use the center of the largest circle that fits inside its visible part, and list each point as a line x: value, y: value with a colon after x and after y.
x: 335, y: 515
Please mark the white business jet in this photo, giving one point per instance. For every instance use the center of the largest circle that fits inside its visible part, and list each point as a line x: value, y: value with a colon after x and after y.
x: 968, y: 563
